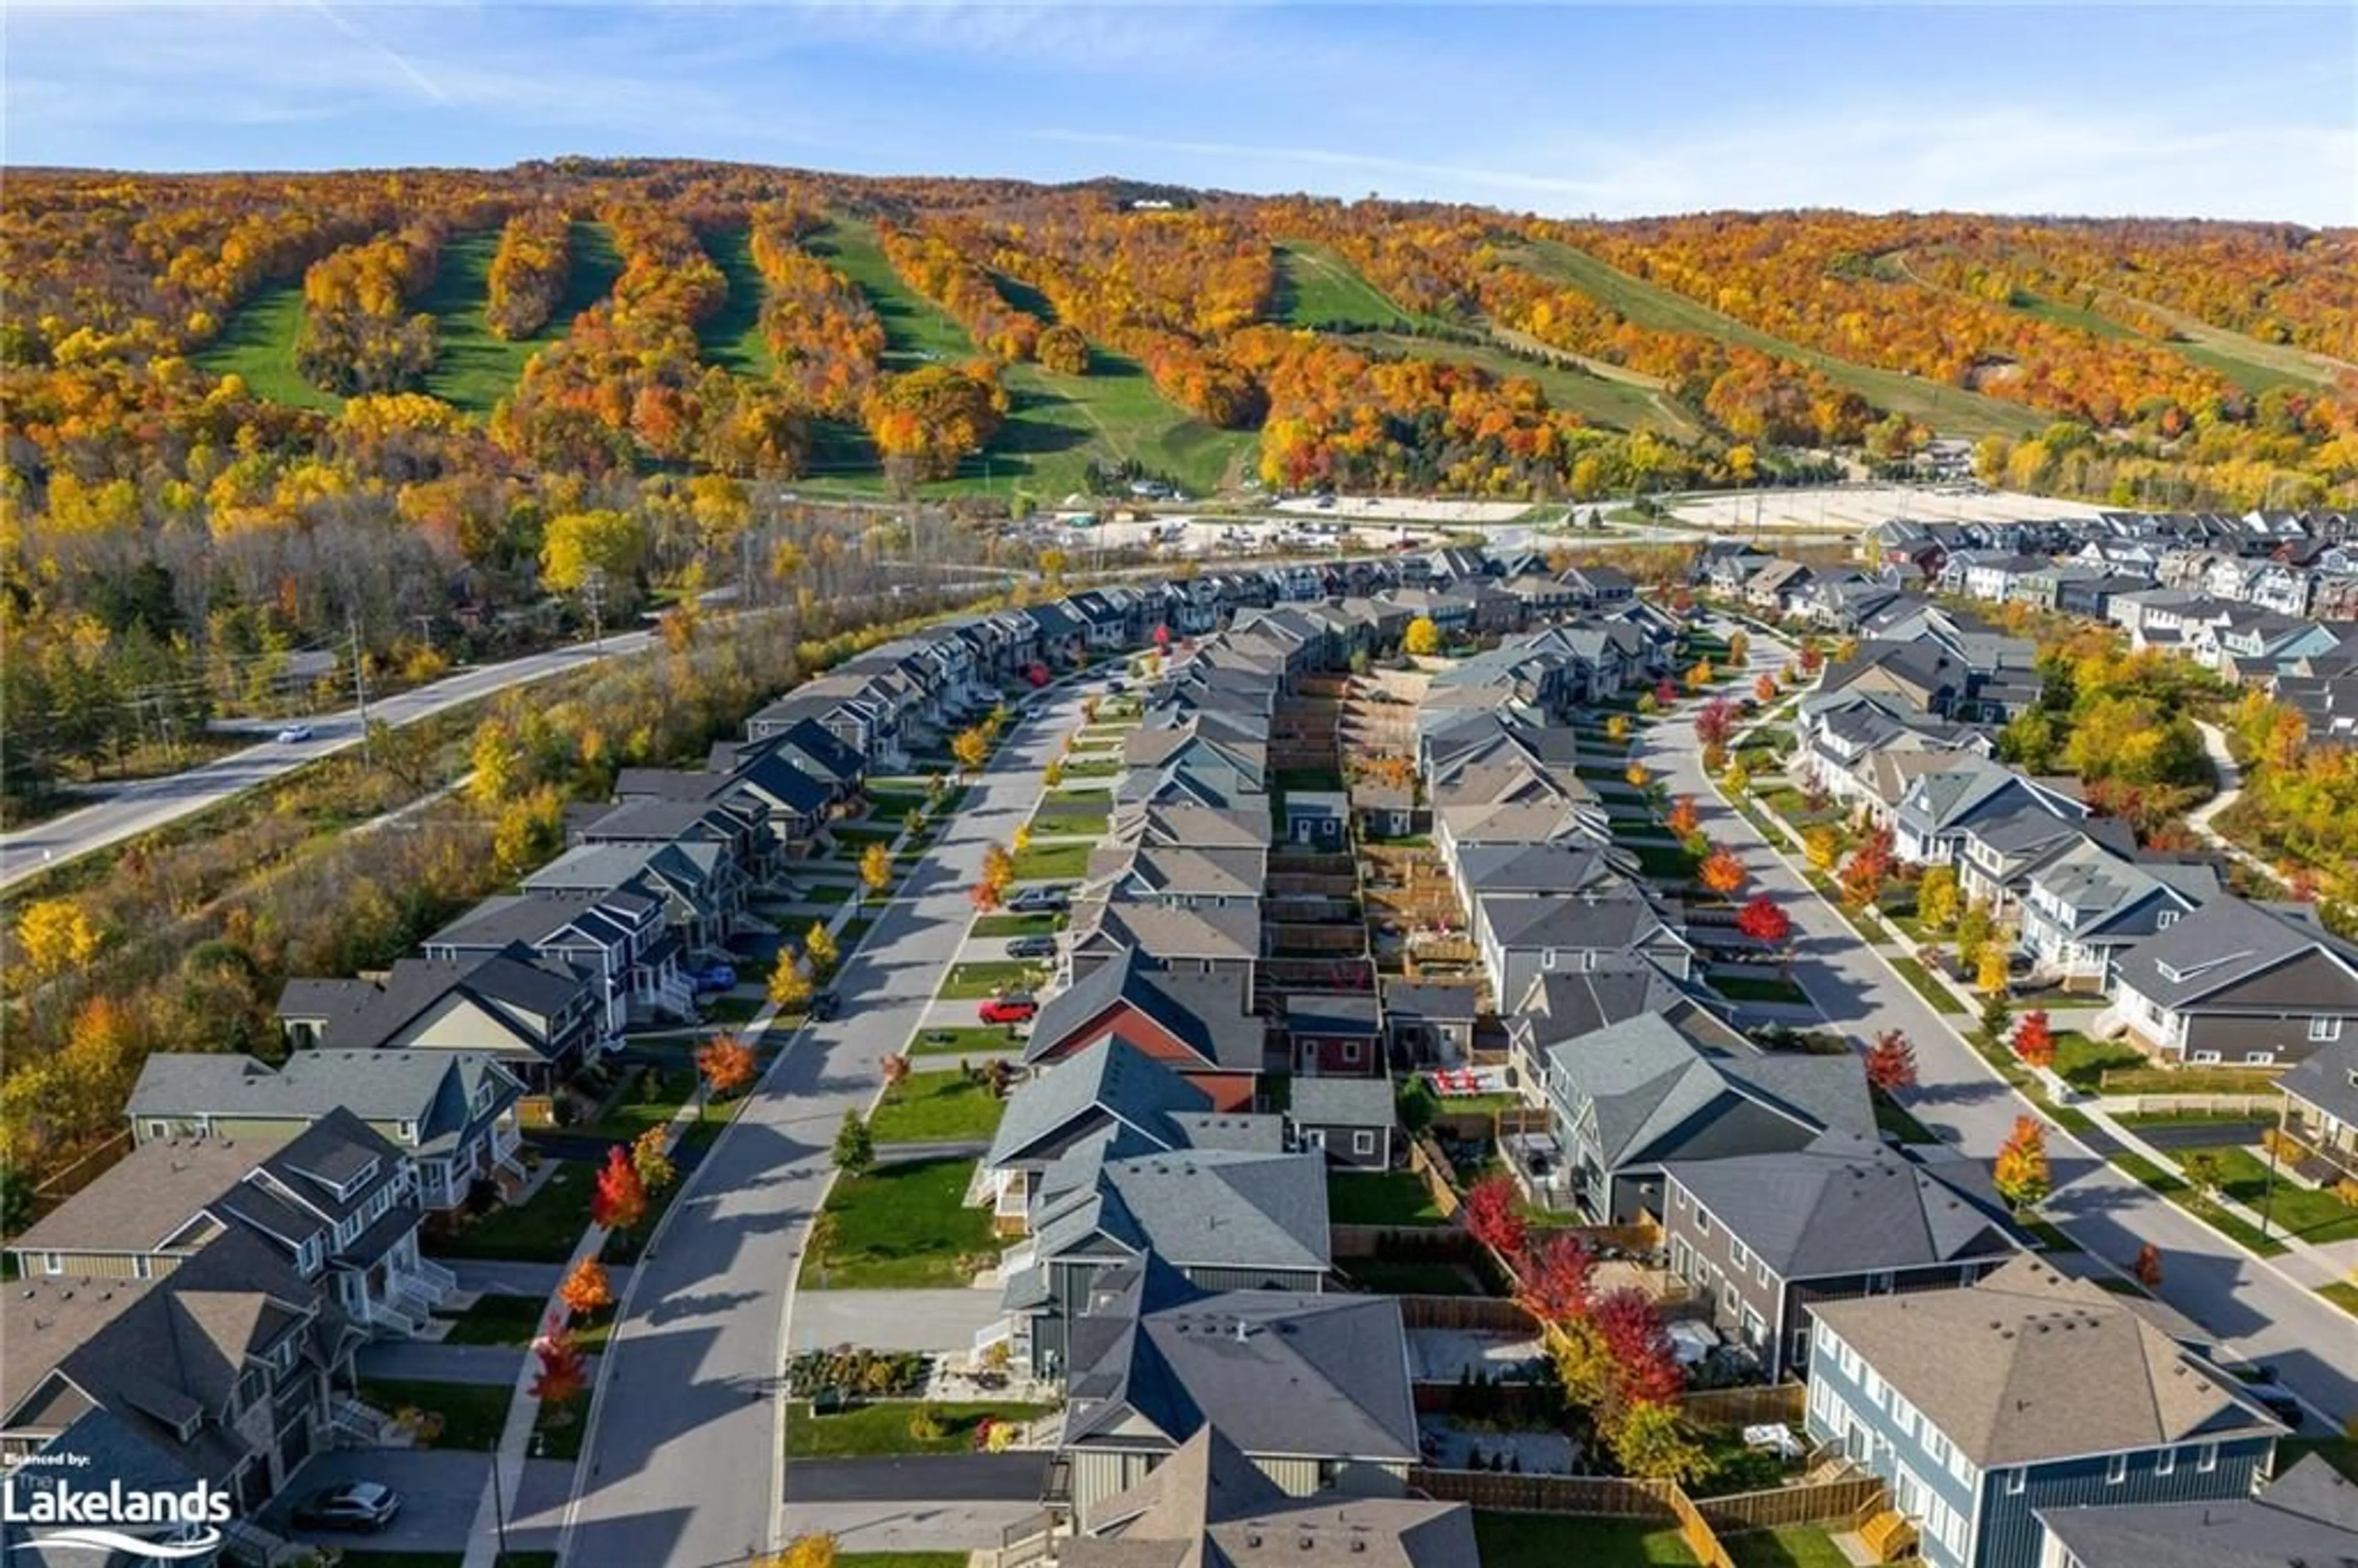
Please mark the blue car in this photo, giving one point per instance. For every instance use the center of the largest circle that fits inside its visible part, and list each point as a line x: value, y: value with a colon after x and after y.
x: 714, y: 976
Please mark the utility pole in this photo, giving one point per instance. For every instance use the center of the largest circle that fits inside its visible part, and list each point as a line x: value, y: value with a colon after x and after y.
x: 745, y: 575
x: 424, y: 629
x: 360, y: 684
x: 593, y: 589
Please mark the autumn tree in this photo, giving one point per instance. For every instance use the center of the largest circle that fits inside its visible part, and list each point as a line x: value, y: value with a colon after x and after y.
x: 1422, y: 638
x: 876, y: 868
x: 1653, y: 1440
x: 1494, y: 1215
x: 619, y: 1201
x: 1823, y: 845
x: 1764, y: 688
x: 819, y: 947
x: 813, y: 1551
x: 651, y: 1160
x: 1648, y: 1371
x: 1638, y: 775
x: 1990, y: 969
x: 855, y: 1148
x: 576, y: 544
x: 587, y: 1288
x: 1740, y: 649
x: 1701, y: 675
x: 1936, y: 898
x: 1992, y: 1029
x: 790, y: 989
x: 1764, y: 920
x: 897, y: 1067
x: 726, y: 1064
x: 1666, y: 693
x: 1681, y: 818
x: 1553, y: 1278
x: 1739, y: 777
x: 1974, y: 929
x: 2147, y: 1267
x: 1863, y: 877
x: 2033, y: 1042
x: 1617, y: 728
x: 564, y: 1372
x: 1714, y: 722
x: 971, y: 747
x: 1891, y: 1063
x: 1721, y: 871
x: 2020, y: 1173
x: 54, y: 935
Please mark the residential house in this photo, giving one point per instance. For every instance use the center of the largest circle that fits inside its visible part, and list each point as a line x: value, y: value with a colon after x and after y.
x: 337, y: 1201
x: 1314, y: 1389
x: 618, y: 938
x: 1221, y: 1218
x: 451, y: 1113
x: 541, y: 1016
x: 1200, y: 1024
x: 222, y: 1371
x: 1567, y: 1004
x: 2305, y: 1517
x: 1759, y: 1238
x: 2083, y: 907
x: 1521, y: 933
x: 2321, y: 1111
x: 1329, y: 1033
x: 2025, y: 1392
x: 1352, y: 1121
x: 2237, y: 983
x: 1208, y: 1506
x: 1429, y: 1020
x: 1638, y: 1095
x: 701, y: 885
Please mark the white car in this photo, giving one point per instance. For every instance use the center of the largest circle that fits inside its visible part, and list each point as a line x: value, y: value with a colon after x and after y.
x: 294, y: 734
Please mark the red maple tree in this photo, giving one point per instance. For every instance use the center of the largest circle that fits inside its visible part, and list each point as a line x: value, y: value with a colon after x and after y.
x: 620, y: 1201
x: 2033, y: 1042
x: 1553, y: 1279
x: 1715, y: 722
x: 1493, y: 1216
x: 1647, y: 1372
x: 1891, y: 1063
x: 1763, y: 920
x: 563, y: 1372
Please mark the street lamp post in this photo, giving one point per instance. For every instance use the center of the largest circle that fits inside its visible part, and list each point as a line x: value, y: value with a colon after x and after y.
x: 499, y: 1511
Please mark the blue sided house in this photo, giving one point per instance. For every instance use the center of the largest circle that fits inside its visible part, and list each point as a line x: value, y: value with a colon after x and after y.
x: 2023, y: 1392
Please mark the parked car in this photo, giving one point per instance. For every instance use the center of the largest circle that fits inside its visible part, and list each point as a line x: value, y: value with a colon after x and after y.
x: 1041, y: 901
x: 1015, y: 1008
x: 2266, y: 1388
x: 824, y: 1006
x: 294, y: 734
x: 714, y: 976
x: 1032, y: 947
x: 353, y: 1505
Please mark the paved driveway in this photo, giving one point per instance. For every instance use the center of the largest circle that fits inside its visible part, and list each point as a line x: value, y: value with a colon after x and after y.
x: 2257, y: 1309
x: 682, y: 1464
x: 439, y: 1490
x: 892, y: 1320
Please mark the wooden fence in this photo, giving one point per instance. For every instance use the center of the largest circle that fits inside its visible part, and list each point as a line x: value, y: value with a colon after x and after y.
x: 1419, y: 1243
x: 1427, y: 1163
x: 1746, y: 1407
x: 1701, y: 1520
x: 1467, y: 1314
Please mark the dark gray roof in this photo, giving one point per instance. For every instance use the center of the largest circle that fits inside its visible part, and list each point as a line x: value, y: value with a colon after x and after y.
x: 1111, y: 1081
x: 536, y: 919
x: 1848, y: 1205
x: 1206, y: 1012
x: 1342, y: 1102
x: 1331, y: 1013
x: 1200, y: 1208
x: 2327, y: 1079
x: 360, y: 1015
x: 2227, y: 942
x: 2309, y: 1518
x: 1281, y: 1373
x: 1650, y: 1081
x: 2025, y: 1366
x: 1419, y: 1001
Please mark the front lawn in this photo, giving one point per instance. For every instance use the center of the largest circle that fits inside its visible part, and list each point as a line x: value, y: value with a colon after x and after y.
x: 1041, y: 862
x: 2082, y: 1062
x: 558, y: 1430
x: 990, y: 976
x: 543, y: 1230
x: 472, y: 1414
x: 2171, y: 1185
x: 827, y: 894
x: 1411, y: 1277
x: 1069, y: 825
x: 2343, y: 1295
x: 967, y: 1039
x: 514, y: 1322
x: 903, y: 1227
x: 1385, y: 1197
x: 1017, y: 925
x: 2342, y: 1453
x: 649, y: 1102
x: 1091, y: 767
x: 884, y: 1428
x: 939, y: 1107
x: 2306, y: 1213
x: 1666, y: 863
x: 1747, y: 988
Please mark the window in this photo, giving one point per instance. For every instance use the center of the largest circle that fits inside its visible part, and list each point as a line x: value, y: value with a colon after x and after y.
x: 1874, y: 1387
x: 2016, y: 1480
x: 52, y: 1265
x: 1350, y: 1050
x: 2207, y: 1457
x: 1363, y: 1142
x: 2260, y: 1057
x: 2165, y: 1462
x: 1936, y: 1445
x: 1963, y: 1468
x: 1739, y: 1257
x: 2206, y: 1057
x: 143, y: 1266
x: 2116, y: 1469
x: 1703, y: 1220
x: 1903, y: 1414
x: 2168, y: 919
x: 2325, y: 1029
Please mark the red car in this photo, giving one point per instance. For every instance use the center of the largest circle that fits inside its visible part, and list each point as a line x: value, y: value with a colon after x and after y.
x: 1008, y: 1010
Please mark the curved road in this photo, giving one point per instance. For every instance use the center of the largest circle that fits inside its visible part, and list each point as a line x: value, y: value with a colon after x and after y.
x: 2259, y: 1310
x: 151, y: 803
x: 683, y: 1462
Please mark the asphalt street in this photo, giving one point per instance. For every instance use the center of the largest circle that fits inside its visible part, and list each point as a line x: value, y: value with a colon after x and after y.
x: 682, y: 1465
x: 151, y: 803
x: 2256, y: 1310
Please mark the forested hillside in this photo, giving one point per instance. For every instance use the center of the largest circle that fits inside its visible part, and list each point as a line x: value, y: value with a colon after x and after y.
x: 255, y: 418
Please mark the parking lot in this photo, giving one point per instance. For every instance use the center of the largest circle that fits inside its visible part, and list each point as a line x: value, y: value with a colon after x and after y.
x: 1849, y: 508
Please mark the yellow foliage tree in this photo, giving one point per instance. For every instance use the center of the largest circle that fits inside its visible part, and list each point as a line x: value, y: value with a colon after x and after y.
x: 1822, y: 846
x: 574, y: 543
x: 56, y: 936
x: 1422, y: 637
x: 818, y: 945
x: 790, y: 989
x: 876, y: 868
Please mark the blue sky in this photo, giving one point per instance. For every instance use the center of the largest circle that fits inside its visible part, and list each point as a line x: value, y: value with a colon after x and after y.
x: 2229, y: 111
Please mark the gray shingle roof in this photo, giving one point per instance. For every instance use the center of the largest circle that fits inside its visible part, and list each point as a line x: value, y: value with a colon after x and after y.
x: 2025, y: 1364
x: 1343, y: 1102
x: 1201, y: 1208
x: 1206, y: 1012
x: 1847, y: 1204
x: 1280, y: 1373
x: 435, y: 1089
x: 2226, y: 942
x: 1648, y: 1081
x: 2307, y: 1518
x: 1112, y: 1081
